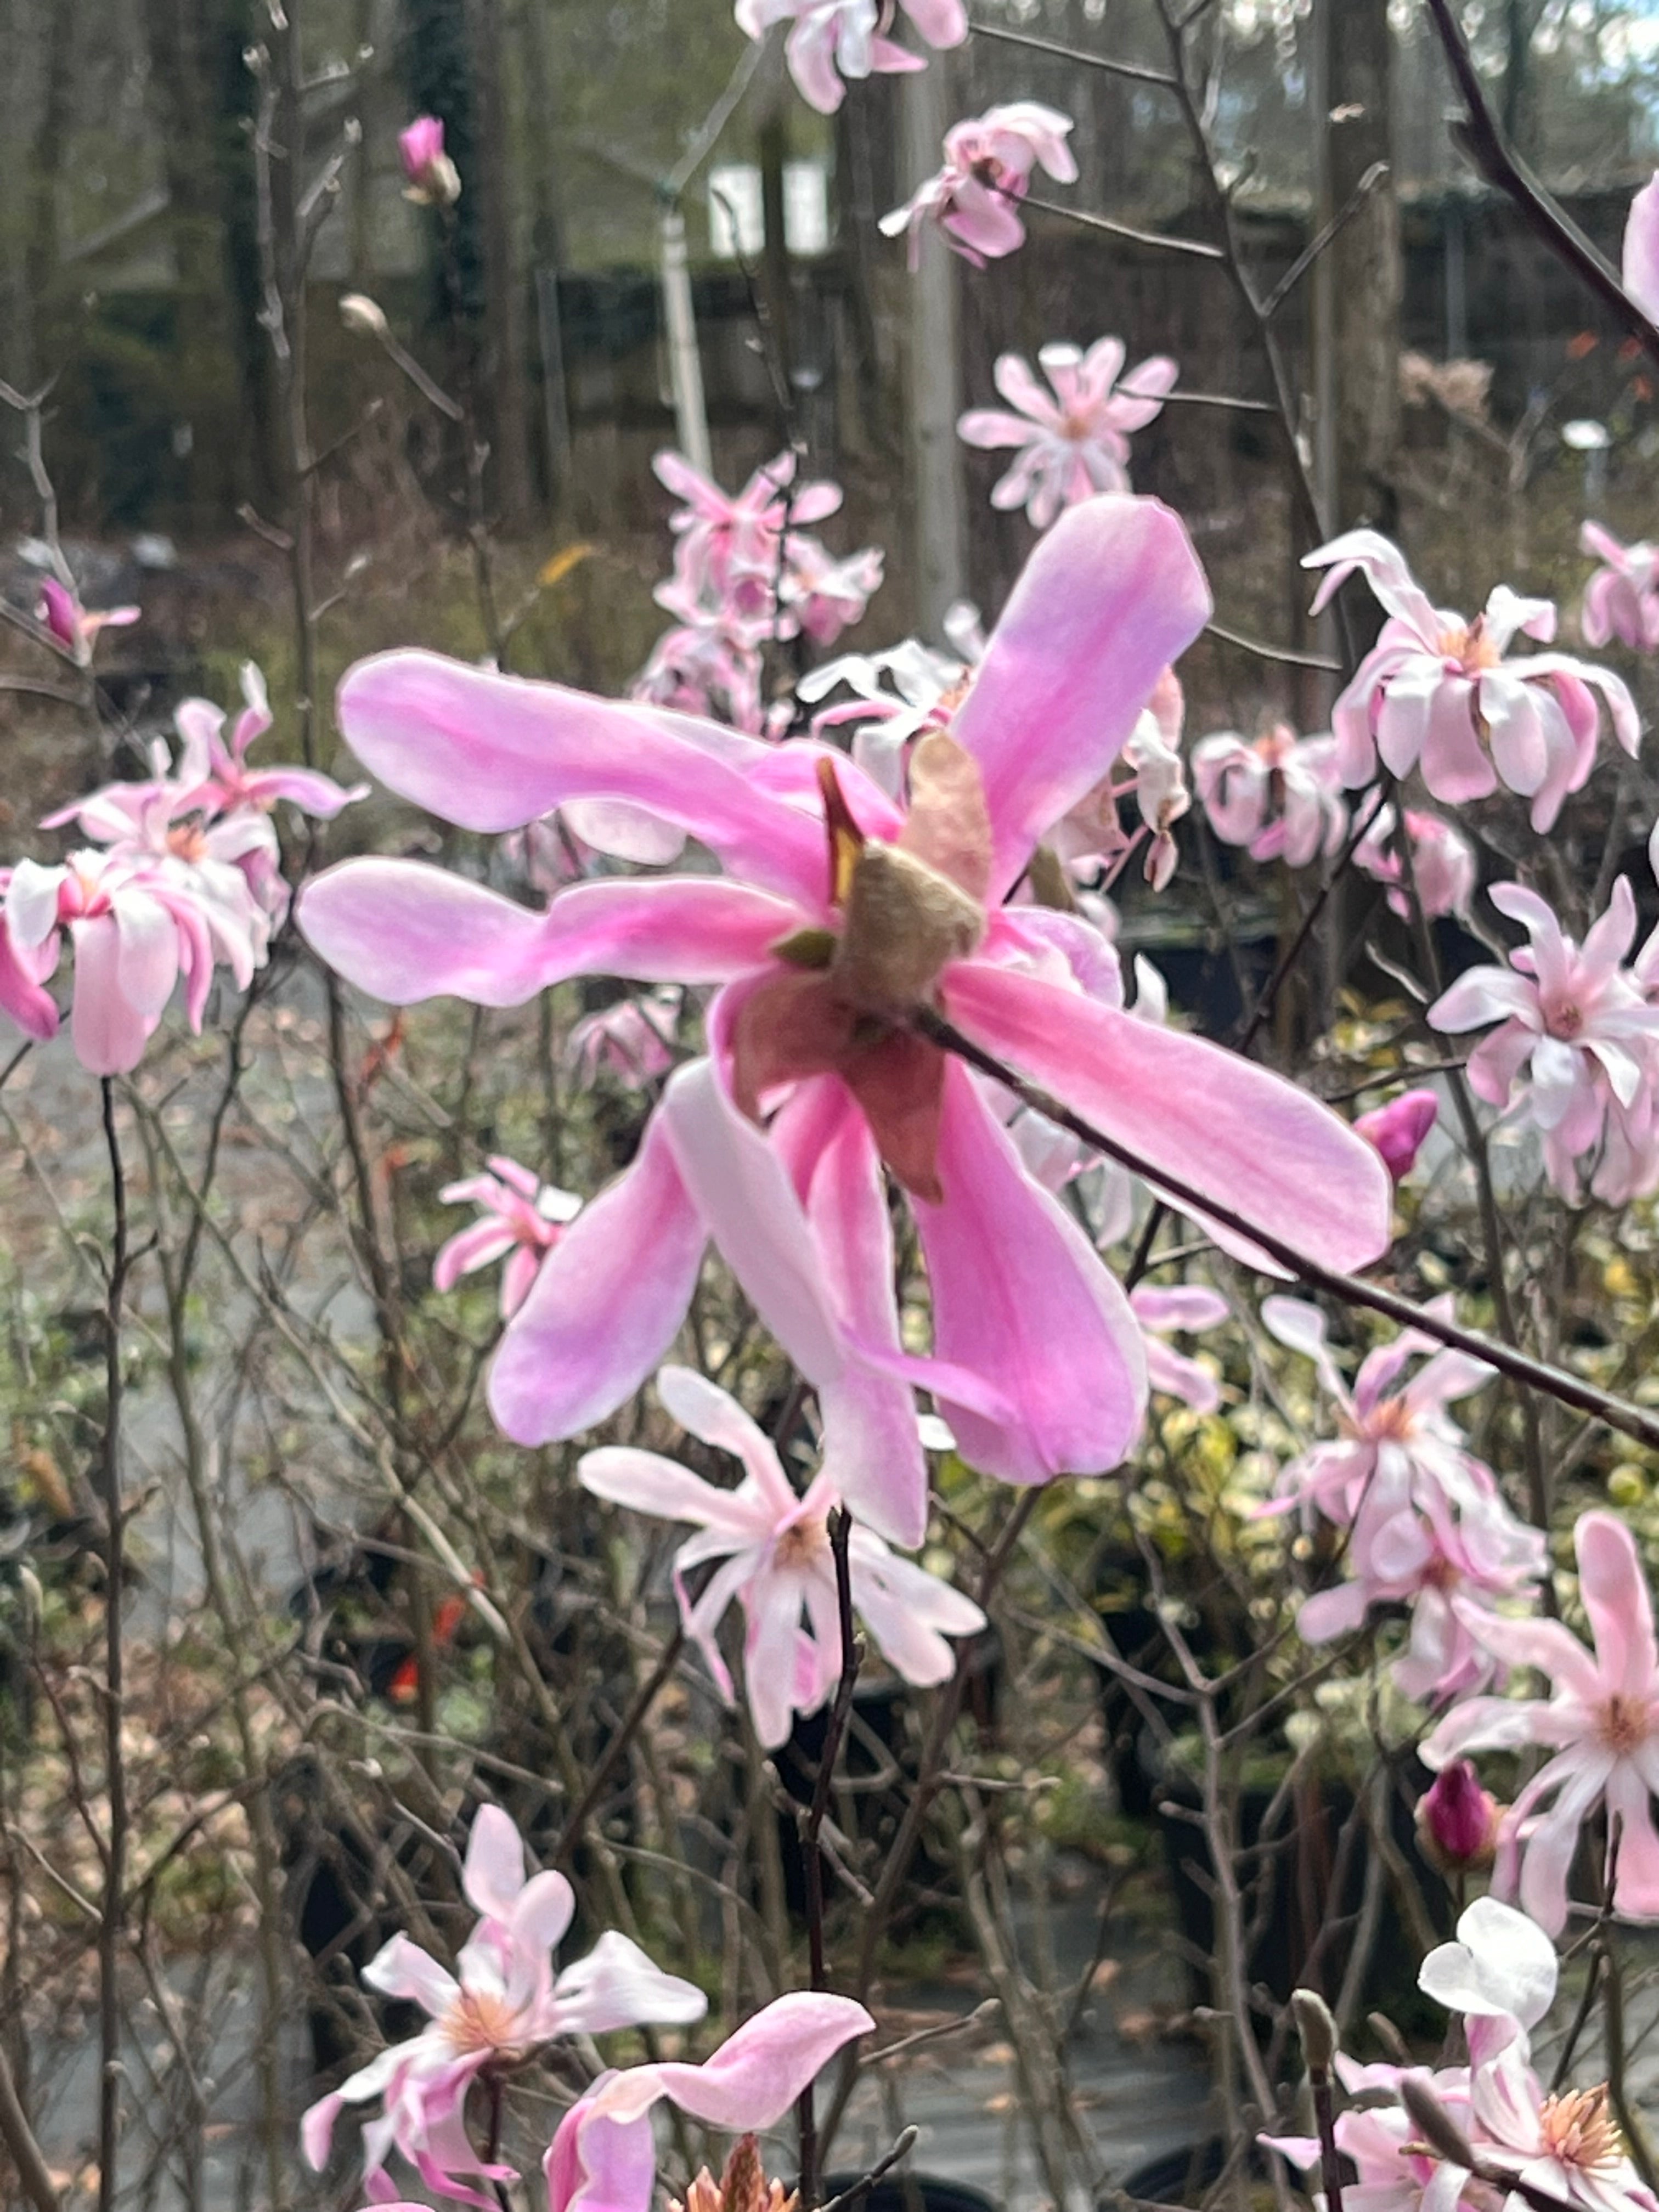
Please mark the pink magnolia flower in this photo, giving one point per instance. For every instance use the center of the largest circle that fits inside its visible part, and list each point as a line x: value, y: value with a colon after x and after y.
x: 926, y: 688
x: 821, y: 595
x: 702, y: 668
x: 1575, y: 1045
x: 433, y: 179
x: 632, y: 1040
x: 723, y: 535
x: 1090, y: 838
x: 1641, y: 254
x: 1601, y: 1722
x: 1439, y: 694
x: 1399, y: 1128
x: 136, y: 928
x: 521, y: 1220
x: 603, y: 2158
x: 501, y: 2004
x: 832, y: 40
x: 216, y: 777
x: 1457, y: 1821
x: 974, y: 199
x: 1073, y: 440
x: 75, y: 628
x: 840, y: 913
x: 1443, y: 862
x: 1621, y: 600
x: 1427, y: 1525
x: 1277, y: 795
x: 1185, y: 1309
x: 775, y: 1558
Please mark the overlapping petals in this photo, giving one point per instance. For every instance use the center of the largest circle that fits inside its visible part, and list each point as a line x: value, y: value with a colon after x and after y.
x: 989, y: 162
x: 1278, y: 794
x: 1445, y: 696
x: 832, y: 42
x: 520, y: 1220
x: 1071, y: 440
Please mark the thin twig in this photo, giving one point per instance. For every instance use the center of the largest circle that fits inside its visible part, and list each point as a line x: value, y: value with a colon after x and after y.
x: 811, y: 1827
x: 115, y: 1778
x: 1137, y: 72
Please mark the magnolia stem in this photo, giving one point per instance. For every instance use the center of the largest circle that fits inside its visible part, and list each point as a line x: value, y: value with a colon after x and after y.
x: 811, y: 1827
x: 115, y: 1780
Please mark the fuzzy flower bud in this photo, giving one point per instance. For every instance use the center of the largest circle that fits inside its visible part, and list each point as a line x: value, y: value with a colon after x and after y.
x: 363, y: 315
x: 1316, y: 2028
x: 1457, y: 1821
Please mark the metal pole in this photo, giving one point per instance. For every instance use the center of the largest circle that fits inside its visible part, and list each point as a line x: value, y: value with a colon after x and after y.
x: 684, y: 367
x: 932, y: 374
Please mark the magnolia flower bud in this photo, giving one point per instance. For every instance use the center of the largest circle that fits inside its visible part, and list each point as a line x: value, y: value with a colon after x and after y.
x: 361, y: 313
x: 1317, y: 2027
x: 1397, y: 1130
x: 1434, y: 2122
x: 433, y: 179
x: 1457, y: 1821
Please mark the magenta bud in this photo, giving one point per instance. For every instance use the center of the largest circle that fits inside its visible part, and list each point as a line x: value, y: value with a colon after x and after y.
x: 1398, y: 1130
x: 433, y: 178
x: 1457, y: 1820
x: 60, y: 614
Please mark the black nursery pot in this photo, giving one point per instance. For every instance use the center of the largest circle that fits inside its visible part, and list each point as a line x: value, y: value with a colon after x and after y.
x: 909, y: 2192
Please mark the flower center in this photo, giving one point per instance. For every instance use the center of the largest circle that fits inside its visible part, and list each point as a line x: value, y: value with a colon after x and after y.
x: 1391, y: 1422
x: 1577, y: 2129
x: 1565, y: 1019
x: 1625, y: 1725
x: 479, y: 2019
x: 803, y: 1544
x: 1468, y: 645
x: 186, y: 841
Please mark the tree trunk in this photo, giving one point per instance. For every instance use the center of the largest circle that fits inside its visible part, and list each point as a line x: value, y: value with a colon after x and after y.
x: 502, y: 354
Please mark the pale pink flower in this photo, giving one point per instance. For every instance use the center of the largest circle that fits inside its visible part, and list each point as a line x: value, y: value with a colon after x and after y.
x: 501, y: 2004
x: 1641, y: 253
x: 1073, y: 440
x: 70, y: 623
x: 832, y: 40
x: 1090, y: 838
x: 1399, y: 1128
x: 723, y: 534
x: 1428, y: 1527
x: 433, y: 179
x: 822, y: 595
x: 926, y: 688
x: 603, y: 2158
x: 1567, y: 2145
x: 1185, y: 1308
x: 227, y: 782
x: 136, y: 927
x: 775, y: 1559
x: 1621, y: 600
x: 974, y: 200
x: 1440, y: 695
x: 1602, y: 1723
x: 1443, y: 862
x: 702, y: 668
x: 633, y: 1041
x: 838, y: 914
x: 1277, y: 794
x: 521, y: 1220
x: 1577, y: 1038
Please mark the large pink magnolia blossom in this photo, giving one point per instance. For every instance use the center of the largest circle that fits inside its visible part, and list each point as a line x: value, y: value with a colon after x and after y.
x: 1073, y: 440
x: 830, y: 41
x: 1602, y: 1723
x: 774, y: 1557
x: 1444, y: 866
x: 840, y: 916
x: 521, y: 1218
x: 1641, y: 250
x: 1442, y: 695
x: 1621, y: 600
x: 72, y: 626
x: 603, y: 2158
x: 1427, y: 1524
x: 974, y: 200
x: 501, y: 2003
x: 1577, y: 1047
x: 1278, y: 794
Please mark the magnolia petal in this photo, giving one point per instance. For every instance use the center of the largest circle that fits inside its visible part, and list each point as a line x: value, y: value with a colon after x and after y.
x: 1615, y: 1594
x: 493, y: 1873
x: 1109, y: 597
x: 606, y: 1305
x: 616, y: 1985
x: 1227, y: 1128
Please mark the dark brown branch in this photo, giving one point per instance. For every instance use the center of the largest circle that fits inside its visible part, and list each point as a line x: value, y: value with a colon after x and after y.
x: 1137, y: 72
x: 1483, y: 139
x: 24, y: 2152
x: 645, y: 1698
x: 1315, y: 245
x: 1535, y: 1374
x: 1194, y: 246
x: 811, y: 1827
x: 115, y: 1780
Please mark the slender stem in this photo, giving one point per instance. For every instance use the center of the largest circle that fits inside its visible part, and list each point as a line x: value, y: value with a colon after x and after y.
x: 24, y: 2152
x: 1485, y: 142
x: 841, y: 1536
x: 115, y: 1780
x: 1552, y: 1382
x: 571, y: 1835
x: 1137, y: 72
x: 1330, y: 2159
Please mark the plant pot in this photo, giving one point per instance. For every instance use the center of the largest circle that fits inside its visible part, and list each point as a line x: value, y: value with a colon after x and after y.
x: 909, y: 2192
